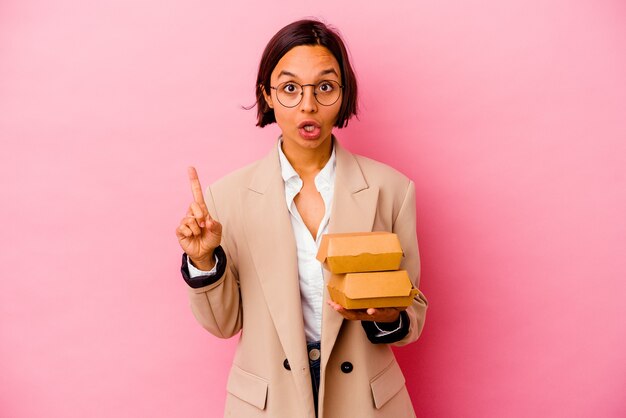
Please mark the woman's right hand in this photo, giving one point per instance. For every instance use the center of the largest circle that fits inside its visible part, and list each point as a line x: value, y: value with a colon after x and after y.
x: 198, y: 233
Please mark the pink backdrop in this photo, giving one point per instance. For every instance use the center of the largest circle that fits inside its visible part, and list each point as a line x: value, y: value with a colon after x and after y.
x: 509, y: 116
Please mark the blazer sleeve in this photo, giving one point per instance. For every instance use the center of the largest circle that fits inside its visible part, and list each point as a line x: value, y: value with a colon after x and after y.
x: 405, y: 227
x: 217, y: 305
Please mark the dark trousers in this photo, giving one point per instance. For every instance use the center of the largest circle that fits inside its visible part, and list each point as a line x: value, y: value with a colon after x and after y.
x: 314, y: 366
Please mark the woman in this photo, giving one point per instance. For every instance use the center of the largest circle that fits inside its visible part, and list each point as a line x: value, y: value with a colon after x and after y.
x: 250, y: 243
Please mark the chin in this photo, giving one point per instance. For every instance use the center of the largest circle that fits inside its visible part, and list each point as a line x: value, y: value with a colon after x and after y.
x: 308, y: 143
x: 324, y: 136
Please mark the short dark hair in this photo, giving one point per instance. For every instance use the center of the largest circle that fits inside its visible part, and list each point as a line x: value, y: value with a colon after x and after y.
x: 305, y: 32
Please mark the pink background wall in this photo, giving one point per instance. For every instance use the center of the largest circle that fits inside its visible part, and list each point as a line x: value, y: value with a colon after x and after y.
x: 509, y: 116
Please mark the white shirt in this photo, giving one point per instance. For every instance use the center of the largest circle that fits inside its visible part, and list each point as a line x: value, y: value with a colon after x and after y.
x: 310, y: 271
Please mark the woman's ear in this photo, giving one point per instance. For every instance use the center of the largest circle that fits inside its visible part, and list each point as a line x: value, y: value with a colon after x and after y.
x: 267, y: 97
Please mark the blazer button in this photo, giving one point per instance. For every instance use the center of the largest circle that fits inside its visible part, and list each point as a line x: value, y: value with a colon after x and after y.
x: 346, y: 367
x: 286, y: 364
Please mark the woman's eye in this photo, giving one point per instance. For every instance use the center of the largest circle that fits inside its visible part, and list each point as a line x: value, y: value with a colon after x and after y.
x: 290, y: 88
x: 325, y: 87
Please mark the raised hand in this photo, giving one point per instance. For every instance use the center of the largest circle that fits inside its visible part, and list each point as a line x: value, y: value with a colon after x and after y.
x: 198, y: 233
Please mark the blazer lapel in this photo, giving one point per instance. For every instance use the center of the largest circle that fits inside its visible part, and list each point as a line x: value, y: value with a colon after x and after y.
x: 354, y: 210
x: 272, y: 245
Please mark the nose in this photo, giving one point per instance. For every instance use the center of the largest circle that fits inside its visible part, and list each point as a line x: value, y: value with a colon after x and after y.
x: 309, y: 102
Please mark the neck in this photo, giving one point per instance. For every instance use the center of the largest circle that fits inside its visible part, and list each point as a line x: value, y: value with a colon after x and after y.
x: 308, y: 161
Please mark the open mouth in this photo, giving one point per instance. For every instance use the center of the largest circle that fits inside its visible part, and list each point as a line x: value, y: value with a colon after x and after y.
x: 308, y: 125
x: 309, y: 129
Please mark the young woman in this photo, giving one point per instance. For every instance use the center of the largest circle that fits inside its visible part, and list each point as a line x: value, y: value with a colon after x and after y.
x: 250, y: 244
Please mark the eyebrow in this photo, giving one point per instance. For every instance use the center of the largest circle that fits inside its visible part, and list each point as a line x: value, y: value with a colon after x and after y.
x: 324, y: 72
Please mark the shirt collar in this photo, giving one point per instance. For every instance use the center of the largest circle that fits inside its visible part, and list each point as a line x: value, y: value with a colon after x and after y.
x: 325, y: 178
x: 286, y: 169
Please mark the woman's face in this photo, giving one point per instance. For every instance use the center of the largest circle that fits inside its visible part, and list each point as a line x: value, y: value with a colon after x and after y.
x: 309, y: 124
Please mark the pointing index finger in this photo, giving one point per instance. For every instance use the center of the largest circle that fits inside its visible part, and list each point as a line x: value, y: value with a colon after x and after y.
x: 196, y: 188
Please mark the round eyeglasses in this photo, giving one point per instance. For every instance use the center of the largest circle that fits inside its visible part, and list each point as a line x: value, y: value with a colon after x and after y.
x: 290, y: 93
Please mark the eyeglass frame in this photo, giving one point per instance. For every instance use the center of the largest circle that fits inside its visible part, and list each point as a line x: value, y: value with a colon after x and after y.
x: 302, y: 86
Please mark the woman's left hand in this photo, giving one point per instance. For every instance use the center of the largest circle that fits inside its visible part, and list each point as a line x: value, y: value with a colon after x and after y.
x: 370, y: 314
